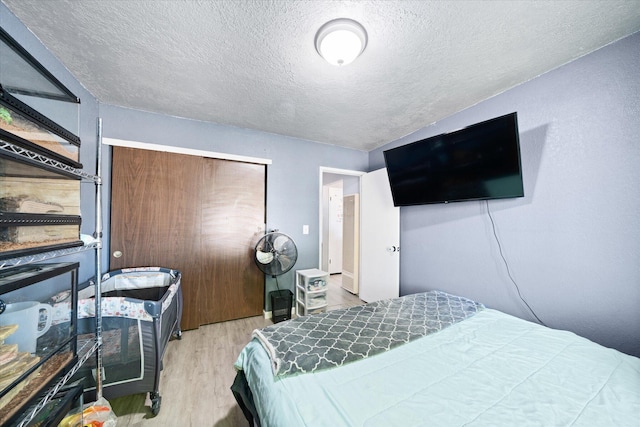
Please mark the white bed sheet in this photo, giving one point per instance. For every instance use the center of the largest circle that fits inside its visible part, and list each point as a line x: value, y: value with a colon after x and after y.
x: 489, y: 370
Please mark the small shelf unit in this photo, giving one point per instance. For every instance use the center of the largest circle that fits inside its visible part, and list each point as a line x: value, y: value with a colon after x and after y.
x: 311, y: 291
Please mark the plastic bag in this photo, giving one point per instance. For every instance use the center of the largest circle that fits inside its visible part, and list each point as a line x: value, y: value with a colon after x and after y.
x: 96, y: 414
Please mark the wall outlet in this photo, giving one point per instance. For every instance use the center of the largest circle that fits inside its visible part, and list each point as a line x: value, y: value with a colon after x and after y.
x: 305, y: 229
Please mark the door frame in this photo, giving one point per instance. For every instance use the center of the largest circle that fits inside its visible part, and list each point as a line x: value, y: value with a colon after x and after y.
x: 333, y: 231
x: 335, y: 171
x: 113, y: 142
x: 183, y: 150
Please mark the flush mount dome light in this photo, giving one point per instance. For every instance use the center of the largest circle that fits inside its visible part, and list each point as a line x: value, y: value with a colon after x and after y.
x: 341, y: 41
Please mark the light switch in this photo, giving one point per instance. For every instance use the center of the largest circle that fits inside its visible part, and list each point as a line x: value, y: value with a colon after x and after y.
x: 305, y: 229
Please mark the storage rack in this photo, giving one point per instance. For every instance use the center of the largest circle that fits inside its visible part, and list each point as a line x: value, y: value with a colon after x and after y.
x: 92, y: 347
x: 311, y: 284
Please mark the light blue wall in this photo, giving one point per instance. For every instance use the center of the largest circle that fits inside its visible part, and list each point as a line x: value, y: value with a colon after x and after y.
x: 293, y: 179
x: 350, y: 185
x: 87, y: 133
x: 573, y: 242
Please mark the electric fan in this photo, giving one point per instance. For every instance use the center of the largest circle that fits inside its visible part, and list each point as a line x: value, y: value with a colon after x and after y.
x: 275, y: 254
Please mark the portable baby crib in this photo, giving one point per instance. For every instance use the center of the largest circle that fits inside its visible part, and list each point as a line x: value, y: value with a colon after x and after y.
x: 141, y: 310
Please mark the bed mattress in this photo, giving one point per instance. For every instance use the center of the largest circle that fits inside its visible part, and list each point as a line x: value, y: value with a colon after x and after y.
x: 491, y: 369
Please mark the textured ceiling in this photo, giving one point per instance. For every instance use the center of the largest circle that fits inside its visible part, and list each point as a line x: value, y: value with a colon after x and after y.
x: 253, y: 64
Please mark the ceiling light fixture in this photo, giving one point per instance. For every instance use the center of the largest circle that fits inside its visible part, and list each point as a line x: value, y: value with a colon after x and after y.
x: 341, y: 41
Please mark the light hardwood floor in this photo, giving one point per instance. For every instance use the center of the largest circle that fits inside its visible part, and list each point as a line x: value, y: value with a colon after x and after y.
x: 198, y: 373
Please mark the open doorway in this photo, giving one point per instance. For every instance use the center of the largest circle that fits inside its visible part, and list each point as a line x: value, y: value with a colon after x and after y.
x: 337, y: 253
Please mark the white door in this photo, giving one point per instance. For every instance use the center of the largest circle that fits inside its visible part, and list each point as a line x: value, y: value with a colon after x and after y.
x: 335, y: 229
x: 351, y: 243
x: 379, y: 239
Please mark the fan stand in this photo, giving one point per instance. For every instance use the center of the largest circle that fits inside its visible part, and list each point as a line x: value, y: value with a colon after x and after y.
x: 276, y: 254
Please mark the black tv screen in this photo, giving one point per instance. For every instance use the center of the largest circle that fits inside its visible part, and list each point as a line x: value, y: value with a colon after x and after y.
x: 479, y: 162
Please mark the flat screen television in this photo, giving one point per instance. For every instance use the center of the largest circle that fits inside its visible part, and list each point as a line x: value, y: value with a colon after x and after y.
x: 479, y: 162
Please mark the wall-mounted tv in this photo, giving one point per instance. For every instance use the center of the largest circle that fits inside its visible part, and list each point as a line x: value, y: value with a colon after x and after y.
x: 479, y: 162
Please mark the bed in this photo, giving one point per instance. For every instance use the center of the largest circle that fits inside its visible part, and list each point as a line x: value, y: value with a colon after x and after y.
x: 431, y: 359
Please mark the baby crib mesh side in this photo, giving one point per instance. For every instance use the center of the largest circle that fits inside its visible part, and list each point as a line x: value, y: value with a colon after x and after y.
x: 141, y: 310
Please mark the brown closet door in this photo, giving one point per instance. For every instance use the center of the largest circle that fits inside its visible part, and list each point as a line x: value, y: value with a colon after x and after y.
x: 200, y: 216
x: 155, y: 217
x: 233, y: 217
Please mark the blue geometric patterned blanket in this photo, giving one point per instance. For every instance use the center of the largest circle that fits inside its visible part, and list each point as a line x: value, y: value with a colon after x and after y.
x: 321, y: 341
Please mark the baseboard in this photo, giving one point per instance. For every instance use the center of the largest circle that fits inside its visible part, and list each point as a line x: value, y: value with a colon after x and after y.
x: 268, y: 314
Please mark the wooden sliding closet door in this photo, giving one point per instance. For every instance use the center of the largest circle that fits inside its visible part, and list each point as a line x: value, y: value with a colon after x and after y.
x: 154, y: 218
x: 233, y: 218
x: 200, y: 216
